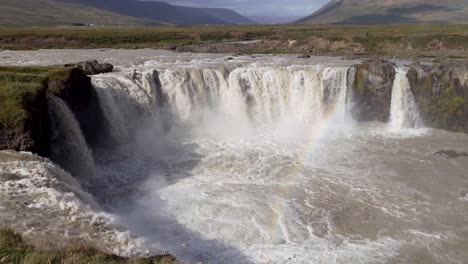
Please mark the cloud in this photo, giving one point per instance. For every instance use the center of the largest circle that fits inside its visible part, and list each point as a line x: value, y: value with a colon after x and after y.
x: 259, y: 7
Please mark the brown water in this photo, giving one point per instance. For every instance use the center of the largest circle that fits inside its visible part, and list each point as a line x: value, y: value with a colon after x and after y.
x: 255, y: 167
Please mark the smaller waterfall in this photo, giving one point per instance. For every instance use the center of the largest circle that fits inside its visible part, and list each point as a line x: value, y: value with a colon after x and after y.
x: 334, y: 88
x: 68, y: 145
x: 403, y: 111
x: 125, y: 100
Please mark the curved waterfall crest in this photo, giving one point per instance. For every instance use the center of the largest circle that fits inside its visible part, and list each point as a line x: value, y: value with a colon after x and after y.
x: 239, y: 98
x: 247, y: 95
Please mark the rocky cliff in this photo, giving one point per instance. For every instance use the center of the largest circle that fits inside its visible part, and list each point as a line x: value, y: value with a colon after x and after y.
x: 24, y: 119
x: 441, y: 93
x: 372, y: 90
x: 74, y: 87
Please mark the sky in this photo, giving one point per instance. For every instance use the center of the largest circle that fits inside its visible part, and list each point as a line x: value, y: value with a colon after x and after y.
x: 282, y: 8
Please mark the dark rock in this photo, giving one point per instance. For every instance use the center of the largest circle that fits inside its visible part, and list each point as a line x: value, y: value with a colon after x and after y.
x: 74, y: 87
x: 451, y: 154
x: 93, y: 67
x: 229, y: 58
x: 441, y: 94
x: 304, y: 56
x: 372, y: 90
x: 25, y: 124
x: 172, y: 47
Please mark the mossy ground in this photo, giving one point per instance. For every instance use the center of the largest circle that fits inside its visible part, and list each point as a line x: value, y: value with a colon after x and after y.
x: 19, y: 86
x: 14, y: 250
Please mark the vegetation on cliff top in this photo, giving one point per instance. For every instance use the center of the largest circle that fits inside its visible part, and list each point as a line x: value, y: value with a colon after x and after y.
x: 23, y: 115
x: 13, y: 249
x: 19, y: 86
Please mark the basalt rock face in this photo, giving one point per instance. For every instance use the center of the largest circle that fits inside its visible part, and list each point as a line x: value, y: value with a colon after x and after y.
x: 74, y: 87
x: 92, y: 67
x: 372, y: 90
x: 441, y: 93
x: 24, y: 117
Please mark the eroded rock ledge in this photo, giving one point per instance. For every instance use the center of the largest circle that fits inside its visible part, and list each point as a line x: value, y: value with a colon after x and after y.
x: 24, y: 119
x: 372, y: 90
x: 440, y: 90
x: 441, y: 93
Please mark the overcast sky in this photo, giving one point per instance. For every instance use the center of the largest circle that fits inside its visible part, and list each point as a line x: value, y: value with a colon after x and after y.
x: 259, y: 7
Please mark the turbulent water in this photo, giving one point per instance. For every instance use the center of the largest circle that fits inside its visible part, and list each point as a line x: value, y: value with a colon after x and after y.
x: 260, y: 162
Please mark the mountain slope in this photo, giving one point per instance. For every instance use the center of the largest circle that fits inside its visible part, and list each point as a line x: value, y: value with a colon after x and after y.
x: 53, y: 13
x: 167, y: 13
x: 110, y: 13
x: 390, y: 12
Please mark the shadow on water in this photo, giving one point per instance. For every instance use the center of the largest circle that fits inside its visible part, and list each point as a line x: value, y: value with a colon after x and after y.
x: 138, y: 206
x: 127, y: 184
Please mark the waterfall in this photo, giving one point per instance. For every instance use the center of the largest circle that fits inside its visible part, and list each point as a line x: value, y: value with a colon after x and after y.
x: 234, y: 100
x: 124, y: 100
x: 68, y: 145
x: 254, y: 95
x: 403, y: 111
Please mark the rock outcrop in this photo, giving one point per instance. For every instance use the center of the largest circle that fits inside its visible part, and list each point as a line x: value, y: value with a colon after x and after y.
x: 24, y: 118
x: 451, y: 154
x: 441, y: 93
x: 93, y: 67
x: 74, y: 87
x: 372, y: 90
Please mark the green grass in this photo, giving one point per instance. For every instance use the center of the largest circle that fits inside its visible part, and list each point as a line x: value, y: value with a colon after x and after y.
x: 14, y: 250
x: 19, y: 87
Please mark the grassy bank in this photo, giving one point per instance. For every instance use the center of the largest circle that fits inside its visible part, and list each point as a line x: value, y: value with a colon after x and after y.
x: 19, y: 88
x: 13, y: 249
x: 391, y: 40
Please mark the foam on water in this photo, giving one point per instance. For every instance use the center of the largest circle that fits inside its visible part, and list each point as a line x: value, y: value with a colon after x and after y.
x: 39, y: 198
x: 258, y: 161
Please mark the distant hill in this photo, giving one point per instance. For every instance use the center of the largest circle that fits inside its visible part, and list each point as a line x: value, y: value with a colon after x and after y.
x: 390, y: 12
x: 167, y: 13
x: 110, y: 13
x: 52, y: 13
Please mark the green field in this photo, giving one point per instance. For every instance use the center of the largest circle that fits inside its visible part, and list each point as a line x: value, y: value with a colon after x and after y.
x: 392, y: 40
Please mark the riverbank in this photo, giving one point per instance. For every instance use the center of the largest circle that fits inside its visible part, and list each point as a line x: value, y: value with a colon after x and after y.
x: 14, y: 249
x: 428, y: 42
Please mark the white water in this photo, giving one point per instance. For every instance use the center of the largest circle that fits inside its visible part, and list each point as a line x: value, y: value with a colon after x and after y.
x: 259, y: 162
x: 240, y: 184
x: 403, y: 112
x: 48, y: 206
x: 69, y: 146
